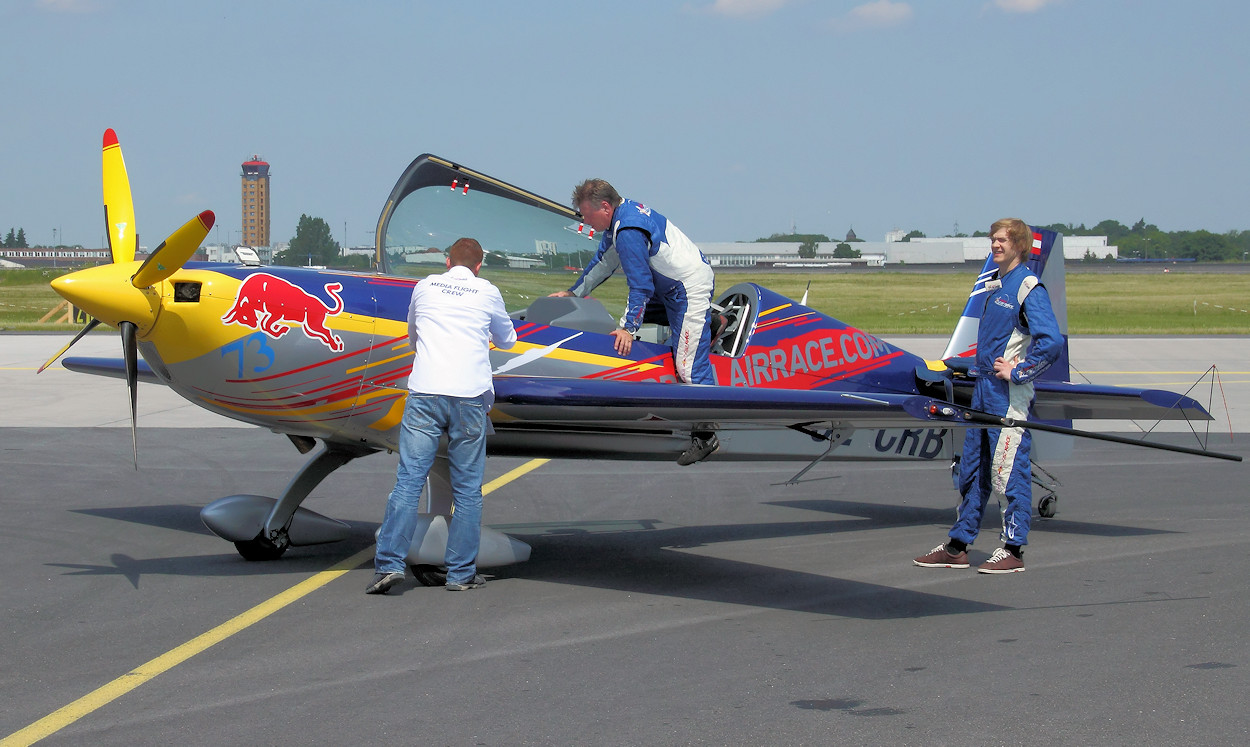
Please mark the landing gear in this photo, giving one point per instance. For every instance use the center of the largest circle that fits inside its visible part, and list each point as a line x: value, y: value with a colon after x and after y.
x: 260, y: 549
x: 429, y: 575
x: 1048, y: 504
x: 262, y: 528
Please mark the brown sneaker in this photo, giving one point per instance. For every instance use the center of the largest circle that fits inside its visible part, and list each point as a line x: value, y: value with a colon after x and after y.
x: 1001, y: 561
x: 938, y: 557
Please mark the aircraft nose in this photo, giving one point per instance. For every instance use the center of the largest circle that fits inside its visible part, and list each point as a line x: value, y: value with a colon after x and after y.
x: 106, y: 293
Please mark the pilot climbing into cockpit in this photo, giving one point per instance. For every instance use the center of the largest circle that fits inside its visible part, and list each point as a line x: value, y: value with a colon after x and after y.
x: 659, y: 262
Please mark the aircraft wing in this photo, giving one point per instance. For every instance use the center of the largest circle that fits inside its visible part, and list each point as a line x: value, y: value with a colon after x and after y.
x: 565, y: 400
x: 112, y: 367
x: 533, y: 400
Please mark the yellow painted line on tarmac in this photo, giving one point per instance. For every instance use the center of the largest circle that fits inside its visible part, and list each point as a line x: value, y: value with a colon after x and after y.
x: 59, y: 719
x: 508, y: 477
x: 63, y: 717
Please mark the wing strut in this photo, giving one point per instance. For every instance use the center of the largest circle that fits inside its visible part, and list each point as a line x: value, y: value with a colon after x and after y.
x: 835, y: 437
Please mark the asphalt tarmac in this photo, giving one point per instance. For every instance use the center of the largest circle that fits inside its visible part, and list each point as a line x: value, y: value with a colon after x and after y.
x: 663, y: 605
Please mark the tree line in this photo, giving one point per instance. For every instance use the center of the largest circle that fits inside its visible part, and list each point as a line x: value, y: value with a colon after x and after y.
x: 16, y: 240
x: 808, y: 244
x: 1142, y: 240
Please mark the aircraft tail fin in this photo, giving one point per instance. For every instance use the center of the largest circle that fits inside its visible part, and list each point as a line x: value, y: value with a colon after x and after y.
x: 1046, y: 261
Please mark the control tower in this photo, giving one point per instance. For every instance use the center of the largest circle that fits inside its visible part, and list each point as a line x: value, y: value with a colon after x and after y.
x: 255, y: 183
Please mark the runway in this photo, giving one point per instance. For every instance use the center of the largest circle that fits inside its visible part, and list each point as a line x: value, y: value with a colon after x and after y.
x: 701, y: 605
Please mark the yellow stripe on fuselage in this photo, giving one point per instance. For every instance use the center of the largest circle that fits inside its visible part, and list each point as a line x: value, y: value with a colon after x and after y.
x: 394, y: 415
x: 382, y: 362
x: 392, y: 328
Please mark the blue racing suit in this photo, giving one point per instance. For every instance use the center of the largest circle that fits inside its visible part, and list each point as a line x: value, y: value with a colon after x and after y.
x: 1017, y: 322
x: 660, y: 261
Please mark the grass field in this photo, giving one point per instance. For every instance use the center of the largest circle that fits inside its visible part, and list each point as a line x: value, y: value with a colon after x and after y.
x: 882, y: 303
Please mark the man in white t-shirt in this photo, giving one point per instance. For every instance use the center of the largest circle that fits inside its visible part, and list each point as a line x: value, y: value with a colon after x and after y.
x: 452, y: 321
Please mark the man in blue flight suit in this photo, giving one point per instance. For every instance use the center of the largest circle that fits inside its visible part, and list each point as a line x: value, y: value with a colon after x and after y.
x: 659, y: 262
x: 1017, y: 339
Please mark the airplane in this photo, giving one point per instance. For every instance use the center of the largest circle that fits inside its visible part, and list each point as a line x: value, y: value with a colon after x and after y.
x: 323, y: 356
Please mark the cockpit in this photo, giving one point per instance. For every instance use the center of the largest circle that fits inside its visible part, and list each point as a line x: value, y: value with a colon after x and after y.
x: 437, y: 201
x: 733, y: 316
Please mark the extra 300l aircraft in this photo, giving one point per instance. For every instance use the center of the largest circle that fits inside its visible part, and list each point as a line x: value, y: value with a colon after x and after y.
x: 320, y: 355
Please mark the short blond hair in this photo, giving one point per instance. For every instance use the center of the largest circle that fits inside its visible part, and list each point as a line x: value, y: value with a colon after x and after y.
x: 1017, y: 230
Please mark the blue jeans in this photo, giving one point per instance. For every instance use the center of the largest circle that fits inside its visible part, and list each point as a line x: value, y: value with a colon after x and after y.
x: 426, y: 418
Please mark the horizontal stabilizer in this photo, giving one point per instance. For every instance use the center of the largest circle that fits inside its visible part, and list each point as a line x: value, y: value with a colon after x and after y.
x: 947, y: 412
x: 1065, y: 401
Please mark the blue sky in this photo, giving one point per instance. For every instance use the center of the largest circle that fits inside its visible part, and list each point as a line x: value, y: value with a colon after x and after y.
x: 736, y: 118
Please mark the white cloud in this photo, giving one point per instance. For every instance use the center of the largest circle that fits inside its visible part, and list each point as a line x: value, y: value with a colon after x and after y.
x: 1023, y: 6
x: 876, y: 14
x: 746, y: 7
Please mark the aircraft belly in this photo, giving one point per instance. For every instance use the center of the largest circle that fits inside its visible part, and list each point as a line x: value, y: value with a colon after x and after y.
x: 865, y: 444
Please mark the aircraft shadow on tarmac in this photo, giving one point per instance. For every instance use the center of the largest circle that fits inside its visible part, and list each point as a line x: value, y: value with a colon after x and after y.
x: 881, y: 515
x: 186, y: 518
x: 651, y: 561
x: 631, y: 555
x: 638, y: 555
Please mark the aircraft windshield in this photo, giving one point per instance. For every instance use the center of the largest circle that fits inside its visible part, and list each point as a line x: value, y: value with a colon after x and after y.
x: 430, y: 215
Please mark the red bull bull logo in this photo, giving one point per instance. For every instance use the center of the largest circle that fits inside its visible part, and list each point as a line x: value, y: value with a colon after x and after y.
x: 274, y: 305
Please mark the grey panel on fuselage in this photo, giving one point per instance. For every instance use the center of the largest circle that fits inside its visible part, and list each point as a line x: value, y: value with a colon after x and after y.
x: 585, y: 314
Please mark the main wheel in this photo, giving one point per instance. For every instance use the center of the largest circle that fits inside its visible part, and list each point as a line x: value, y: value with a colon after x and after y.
x: 430, y: 575
x: 259, y: 549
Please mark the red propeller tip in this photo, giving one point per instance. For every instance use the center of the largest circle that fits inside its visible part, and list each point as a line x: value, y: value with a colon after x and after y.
x: 110, y: 137
x: 208, y: 219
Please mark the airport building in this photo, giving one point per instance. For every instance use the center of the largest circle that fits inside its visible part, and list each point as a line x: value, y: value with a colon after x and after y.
x: 1075, y: 248
x: 872, y: 254
x: 936, y: 251
x: 256, y: 210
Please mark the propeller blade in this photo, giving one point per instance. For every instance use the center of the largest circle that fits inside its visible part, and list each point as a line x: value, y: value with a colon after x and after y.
x: 90, y: 326
x: 130, y: 352
x: 174, y: 251
x: 119, y: 208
